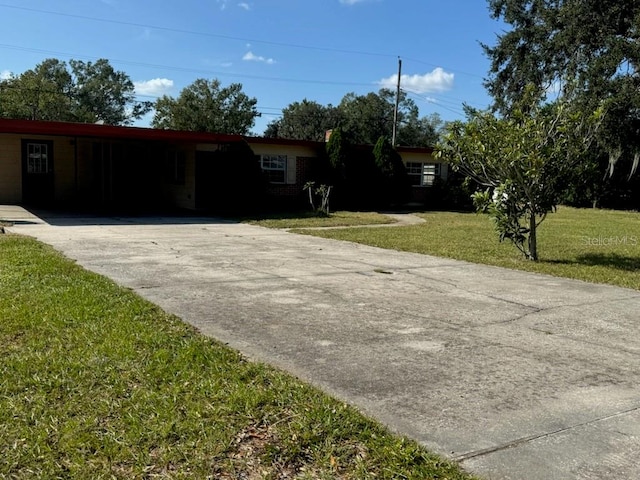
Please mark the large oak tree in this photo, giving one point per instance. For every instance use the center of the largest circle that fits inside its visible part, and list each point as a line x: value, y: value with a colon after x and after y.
x: 86, y: 92
x: 587, y: 51
x: 207, y: 106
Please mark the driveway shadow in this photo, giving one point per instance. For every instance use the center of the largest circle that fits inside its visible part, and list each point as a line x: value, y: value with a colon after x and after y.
x: 70, y: 218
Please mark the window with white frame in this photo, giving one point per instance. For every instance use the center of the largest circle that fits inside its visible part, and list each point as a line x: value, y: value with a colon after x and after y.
x: 423, y: 174
x: 38, y: 158
x: 274, y: 167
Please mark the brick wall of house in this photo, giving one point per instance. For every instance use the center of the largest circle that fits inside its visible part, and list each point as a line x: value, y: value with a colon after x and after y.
x: 293, y: 195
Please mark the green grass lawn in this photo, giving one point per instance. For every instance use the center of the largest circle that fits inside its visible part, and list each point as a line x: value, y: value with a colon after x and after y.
x: 311, y: 220
x: 96, y: 383
x: 600, y: 246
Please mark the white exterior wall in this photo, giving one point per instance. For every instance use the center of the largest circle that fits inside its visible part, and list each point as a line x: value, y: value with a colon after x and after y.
x: 425, y: 158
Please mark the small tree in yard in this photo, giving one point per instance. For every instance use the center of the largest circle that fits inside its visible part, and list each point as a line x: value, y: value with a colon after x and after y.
x: 324, y: 192
x: 523, y: 160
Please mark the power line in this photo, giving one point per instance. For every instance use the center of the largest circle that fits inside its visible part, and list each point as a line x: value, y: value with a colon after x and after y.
x: 278, y: 113
x: 441, y: 99
x: 192, y: 70
x: 457, y: 111
x: 225, y: 73
x: 230, y: 37
x: 441, y: 66
x: 441, y: 102
x: 204, y: 34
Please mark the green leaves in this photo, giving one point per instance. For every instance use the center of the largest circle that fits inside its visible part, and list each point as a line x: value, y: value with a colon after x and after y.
x: 89, y: 92
x: 207, y: 106
x: 525, y: 159
x: 363, y: 119
x: 586, y: 52
x: 306, y: 120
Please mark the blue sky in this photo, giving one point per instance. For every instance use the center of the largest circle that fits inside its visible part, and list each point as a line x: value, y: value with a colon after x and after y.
x: 280, y: 50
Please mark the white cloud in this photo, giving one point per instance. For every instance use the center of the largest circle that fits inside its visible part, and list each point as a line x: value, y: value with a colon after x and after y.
x: 351, y: 2
x: 5, y: 75
x: 155, y: 87
x: 251, y: 57
x: 436, y: 81
x: 223, y: 4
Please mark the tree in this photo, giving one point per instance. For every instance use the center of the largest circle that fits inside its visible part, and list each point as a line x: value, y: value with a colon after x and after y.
x: 366, y: 118
x: 206, y: 106
x: 587, y: 52
x: 306, y: 120
x: 393, y: 184
x: 105, y: 95
x: 420, y: 132
x: 337, y: 151
x: 44, y: 93
x: 523, y: 160
x: 90, y: 92
x: 362, y: 118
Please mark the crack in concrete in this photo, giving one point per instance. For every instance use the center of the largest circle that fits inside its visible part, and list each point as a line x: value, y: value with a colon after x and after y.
x: 520, y: 441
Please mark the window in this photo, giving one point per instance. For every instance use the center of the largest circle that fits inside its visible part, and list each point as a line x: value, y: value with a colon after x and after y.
x: 38, y: 158
x: 275, y: 167
x: 423, y: 174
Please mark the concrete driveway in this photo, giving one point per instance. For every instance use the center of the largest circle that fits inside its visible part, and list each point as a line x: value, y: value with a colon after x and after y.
x: 514, y: 375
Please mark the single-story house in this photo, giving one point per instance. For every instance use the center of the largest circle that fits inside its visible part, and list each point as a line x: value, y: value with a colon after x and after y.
x: 423, y: 170
x: 100, y: 166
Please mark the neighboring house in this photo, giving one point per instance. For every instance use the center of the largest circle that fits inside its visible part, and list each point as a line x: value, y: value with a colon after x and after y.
x: 99, y: 166
x: 423, y: 170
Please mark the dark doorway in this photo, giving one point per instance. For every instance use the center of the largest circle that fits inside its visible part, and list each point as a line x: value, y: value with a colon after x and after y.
x: 37, y: 172
x: 205, y: 174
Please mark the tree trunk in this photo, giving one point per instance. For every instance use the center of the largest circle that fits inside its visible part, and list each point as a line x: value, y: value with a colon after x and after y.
x: 533, y: 241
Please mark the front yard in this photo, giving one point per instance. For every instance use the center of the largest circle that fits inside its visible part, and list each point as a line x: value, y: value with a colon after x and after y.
x: 96, y: 383
x: 601, y: 246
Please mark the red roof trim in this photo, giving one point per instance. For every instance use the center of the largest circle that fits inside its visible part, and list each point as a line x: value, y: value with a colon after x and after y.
x: 68, y: 129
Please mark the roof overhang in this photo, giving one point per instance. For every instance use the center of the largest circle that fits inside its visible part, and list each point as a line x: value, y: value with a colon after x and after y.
x: 69, y: 129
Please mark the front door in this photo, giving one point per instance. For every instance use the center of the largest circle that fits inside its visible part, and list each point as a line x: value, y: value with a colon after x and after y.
x: 37, y: 172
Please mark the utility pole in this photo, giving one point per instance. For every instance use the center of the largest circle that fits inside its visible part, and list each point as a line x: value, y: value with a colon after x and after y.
x: 395, y: 111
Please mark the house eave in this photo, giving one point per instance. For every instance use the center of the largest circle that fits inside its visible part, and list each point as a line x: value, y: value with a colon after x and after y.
x: 70, y: 129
